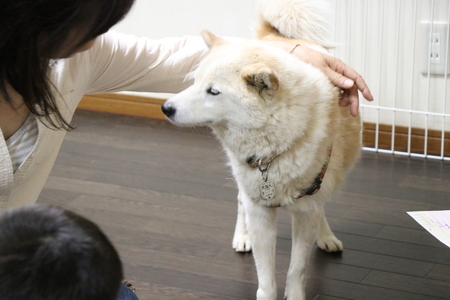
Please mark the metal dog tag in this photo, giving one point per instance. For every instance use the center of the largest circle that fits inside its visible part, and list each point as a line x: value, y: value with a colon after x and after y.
x: 267, y: 190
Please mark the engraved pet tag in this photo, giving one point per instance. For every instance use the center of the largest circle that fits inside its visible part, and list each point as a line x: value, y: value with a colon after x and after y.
x: 267, y: 190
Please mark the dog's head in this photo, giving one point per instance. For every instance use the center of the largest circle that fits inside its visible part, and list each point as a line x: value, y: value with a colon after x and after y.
x: 230, y: 87
x: 250, y: 86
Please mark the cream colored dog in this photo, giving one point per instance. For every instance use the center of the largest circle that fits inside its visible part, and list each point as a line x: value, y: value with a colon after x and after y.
x: 279, y: 121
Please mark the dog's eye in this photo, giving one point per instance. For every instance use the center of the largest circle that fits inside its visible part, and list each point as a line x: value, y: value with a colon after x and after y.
x: 213, y: 92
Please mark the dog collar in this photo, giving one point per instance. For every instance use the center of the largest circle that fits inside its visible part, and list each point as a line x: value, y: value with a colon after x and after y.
x: 318, y: 180
x: 267, y: 189
x: 253, y: 162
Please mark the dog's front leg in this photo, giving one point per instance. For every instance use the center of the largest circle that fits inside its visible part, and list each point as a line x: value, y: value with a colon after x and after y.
x: 261, y: 226
x: 241, y: 240
x: 304, y: 230
x: 326, y: 240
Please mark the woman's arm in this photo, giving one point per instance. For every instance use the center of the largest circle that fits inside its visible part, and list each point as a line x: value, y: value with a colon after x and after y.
x: 120, y: 62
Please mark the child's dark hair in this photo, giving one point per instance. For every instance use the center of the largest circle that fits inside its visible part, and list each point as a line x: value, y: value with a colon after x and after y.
x: 48, y: 253
x: 32, y: 31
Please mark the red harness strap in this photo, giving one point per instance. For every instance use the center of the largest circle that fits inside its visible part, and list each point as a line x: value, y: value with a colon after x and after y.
x: 318, y: 181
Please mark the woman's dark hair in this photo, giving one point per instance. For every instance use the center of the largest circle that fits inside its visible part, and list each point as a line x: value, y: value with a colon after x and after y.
x: 51, y: 253
x: 33, y: 31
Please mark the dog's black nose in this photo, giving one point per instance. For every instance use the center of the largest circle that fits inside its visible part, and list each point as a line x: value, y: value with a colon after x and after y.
x: 168, y: 110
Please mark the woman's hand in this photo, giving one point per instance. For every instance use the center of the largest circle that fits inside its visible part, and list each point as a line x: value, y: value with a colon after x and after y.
x: 339, y: 73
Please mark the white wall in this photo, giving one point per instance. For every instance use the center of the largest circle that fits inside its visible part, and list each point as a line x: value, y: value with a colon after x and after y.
x: 168, y: 18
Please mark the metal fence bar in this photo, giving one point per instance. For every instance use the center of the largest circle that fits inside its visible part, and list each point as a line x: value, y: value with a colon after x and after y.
x: 419, y: 112
x: 406, y: 154
x: 349, y: 26
x: 380, y: 79
x: 411, y: 99
x: 447, y: 57
x: 425, y: 141
x: 397, y: 55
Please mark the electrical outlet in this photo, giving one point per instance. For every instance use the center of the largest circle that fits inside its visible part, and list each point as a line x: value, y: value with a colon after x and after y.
x: 436, y: 48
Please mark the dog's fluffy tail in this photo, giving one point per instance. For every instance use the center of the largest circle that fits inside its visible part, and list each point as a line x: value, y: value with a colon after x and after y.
x: 297, y: 19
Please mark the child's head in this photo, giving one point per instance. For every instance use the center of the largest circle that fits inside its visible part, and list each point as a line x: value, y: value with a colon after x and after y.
x: 50, y: 253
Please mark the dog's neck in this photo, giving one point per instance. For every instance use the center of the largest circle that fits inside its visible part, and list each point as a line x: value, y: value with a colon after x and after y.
x: 263, y: 164
x: 253, y: 145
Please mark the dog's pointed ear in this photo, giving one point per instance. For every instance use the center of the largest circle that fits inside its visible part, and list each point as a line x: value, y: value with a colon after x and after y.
x: 261, y: 78
x: 212, y: 40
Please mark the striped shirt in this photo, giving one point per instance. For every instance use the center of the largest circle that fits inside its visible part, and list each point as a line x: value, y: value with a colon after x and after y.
x: 22, y: 142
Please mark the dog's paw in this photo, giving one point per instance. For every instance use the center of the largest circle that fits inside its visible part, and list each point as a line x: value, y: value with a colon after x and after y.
x: 241, y: 243
x: 330, y: 244
x: 296, y: 293
x: 290, y: 298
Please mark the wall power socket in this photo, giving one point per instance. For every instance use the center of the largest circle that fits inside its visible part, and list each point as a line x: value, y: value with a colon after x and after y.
x: 436, y: 58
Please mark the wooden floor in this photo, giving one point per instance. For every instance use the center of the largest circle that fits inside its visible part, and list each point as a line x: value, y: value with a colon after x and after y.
x: 167, y: 201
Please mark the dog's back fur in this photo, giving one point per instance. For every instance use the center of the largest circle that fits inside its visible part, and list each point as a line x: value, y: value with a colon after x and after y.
x: 261, y: 103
